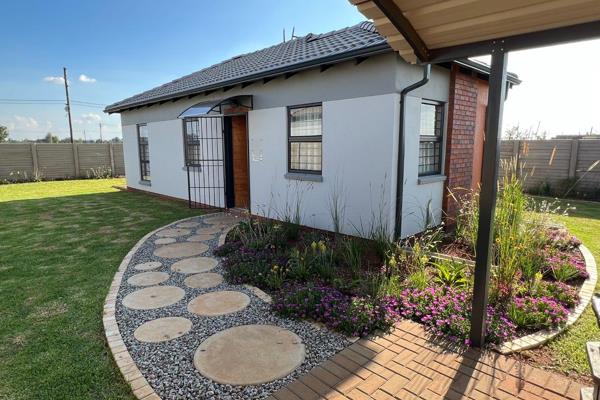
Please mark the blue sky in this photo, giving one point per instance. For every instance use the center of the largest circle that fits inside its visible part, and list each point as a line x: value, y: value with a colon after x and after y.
x: 129, y: 46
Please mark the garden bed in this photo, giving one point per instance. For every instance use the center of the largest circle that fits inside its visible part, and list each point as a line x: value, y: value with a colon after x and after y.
x: 540, y: 281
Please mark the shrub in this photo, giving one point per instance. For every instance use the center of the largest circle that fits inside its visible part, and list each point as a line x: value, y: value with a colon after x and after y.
x: 565, y: 294
x: 247, y: 265
x: 564, y: 266
x: 260, y: 234
x: 227, y: 248
x: 537, y: 312
x: 418, y: 280
x: 448, y: 311
x: 451, y: 273
x: 353, y: 316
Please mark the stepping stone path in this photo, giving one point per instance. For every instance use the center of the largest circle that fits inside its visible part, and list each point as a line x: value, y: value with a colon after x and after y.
x: 180, y: 250
x: 218, y: 303
x: 203, y: 281
x: 249, y: 354
x: 165, y: 241
x: 173, y: 232
x: 153, y: 297
x: 201, y: 237
x: 148, y: 278
x: 162, y: 329
x: 194, y: 265
x: 147, y: 265
x: 241, y: 355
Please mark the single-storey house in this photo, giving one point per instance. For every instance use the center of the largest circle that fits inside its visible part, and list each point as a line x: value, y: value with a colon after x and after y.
x: 310, y: 129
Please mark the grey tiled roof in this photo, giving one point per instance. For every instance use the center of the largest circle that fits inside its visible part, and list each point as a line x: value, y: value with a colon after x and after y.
x: 304, y: 52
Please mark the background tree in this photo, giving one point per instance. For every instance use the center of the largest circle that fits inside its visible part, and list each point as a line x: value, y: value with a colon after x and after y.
x: 50, y: 138
x: 3, y: 134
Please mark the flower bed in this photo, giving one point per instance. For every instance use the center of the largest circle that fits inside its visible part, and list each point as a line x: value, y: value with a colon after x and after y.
x: 357, y: 286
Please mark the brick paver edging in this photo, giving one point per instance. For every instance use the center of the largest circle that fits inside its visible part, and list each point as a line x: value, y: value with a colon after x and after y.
x: 139, y: 385
x: 585, y: 296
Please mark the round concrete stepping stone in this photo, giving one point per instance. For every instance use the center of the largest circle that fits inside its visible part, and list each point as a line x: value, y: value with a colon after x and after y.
x: 164, y: 241
x: 180, y: 250
x: 145, y: 266
x: 211, y: 230
x: 162, y: 329
x: 194, y: 265
x: 249, y: 355
x: 201, y: 237
x: 221, y: 221
x: 173, y: 232
x: 204, y: 280
x: 189, y: 224
x: 148, y: 278
x: 153, y: 297
x: 218, y: 303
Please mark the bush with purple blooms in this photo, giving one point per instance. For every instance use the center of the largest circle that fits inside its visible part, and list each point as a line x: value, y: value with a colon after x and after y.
x: 354, y: 316
x: 448, y: 311
x: 535, y: 313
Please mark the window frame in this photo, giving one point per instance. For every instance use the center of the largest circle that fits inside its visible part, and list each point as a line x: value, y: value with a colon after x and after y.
x: 303, y: 139
x: 144, y: 161
x: 433, y: 139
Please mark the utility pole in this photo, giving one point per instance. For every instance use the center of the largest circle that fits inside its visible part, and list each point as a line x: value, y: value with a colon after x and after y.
x: 68, y: 107
x: 100, y: 125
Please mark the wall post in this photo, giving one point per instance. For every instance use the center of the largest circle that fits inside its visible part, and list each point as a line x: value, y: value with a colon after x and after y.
x: 516, y: 155
x: 34, y: 159
x: 76, y: 158
x: 111, y: 154
x: 573, y: 157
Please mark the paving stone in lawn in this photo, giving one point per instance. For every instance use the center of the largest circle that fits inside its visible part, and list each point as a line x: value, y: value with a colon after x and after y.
x: 164, y: 241
x: 153, y: 297
x: 201, y: 237
x: 194, y: 265
x: 218, y: 303
x: 204, y: 280
x: 211, y: 230
x: 147, y: 265
x: 173, y: 232
x: 148, y: 278
x: 162, y: 329
x: 180, y: 250
x: 249, y: 355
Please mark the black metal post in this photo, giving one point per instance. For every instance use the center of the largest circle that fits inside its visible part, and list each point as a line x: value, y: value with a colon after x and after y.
x: 487, y: 196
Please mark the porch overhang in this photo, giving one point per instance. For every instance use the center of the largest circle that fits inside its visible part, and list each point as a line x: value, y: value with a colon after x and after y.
x: 226, y: 106
x: 433, y: 31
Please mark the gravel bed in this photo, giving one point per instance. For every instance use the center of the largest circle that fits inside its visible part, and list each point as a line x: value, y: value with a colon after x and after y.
x: 168, y: 366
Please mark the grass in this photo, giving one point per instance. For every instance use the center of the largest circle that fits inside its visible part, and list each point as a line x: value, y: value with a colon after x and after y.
x: 567, y: 353
x: 60, y: 245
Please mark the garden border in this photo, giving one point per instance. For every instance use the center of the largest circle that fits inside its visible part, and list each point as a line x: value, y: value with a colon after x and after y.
x: 585, y: 296
x: 139, y: 385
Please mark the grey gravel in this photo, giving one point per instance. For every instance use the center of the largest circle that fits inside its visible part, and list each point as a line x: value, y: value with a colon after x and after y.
x: 168, y: 366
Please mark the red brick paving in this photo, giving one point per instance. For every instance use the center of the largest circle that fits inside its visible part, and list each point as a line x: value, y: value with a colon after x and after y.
x: 408, y: 363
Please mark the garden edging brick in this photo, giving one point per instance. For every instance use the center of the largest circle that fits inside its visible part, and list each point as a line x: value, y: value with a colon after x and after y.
x: 585, y: 296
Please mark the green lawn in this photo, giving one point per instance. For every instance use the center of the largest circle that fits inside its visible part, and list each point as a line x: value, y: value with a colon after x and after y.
x: 567, y: 353
x: 60, y: 245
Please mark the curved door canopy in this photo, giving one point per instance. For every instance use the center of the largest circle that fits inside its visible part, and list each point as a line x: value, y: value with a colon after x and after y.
x: 228, y: 106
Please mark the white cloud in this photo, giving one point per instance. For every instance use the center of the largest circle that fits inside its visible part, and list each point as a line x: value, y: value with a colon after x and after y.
x: 25, y: 123
x: 91, y: 118
x: 57, y: 80
x: 86, y: 79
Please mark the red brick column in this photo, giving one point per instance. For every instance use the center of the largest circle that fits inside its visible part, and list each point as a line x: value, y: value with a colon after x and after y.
x: 460, y: 139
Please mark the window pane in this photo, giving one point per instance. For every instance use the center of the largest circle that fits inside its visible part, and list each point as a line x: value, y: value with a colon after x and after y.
x: 306, y: 121
x: 305, y: 156
x: 430, y: 122
x: 144, y: 152
x: 430, y: 157
x: 143, y: 130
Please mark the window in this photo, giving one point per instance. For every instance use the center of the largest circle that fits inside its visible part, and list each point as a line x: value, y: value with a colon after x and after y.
x: 142, y: 132
x: 431, y: 138
x: 305, y: 139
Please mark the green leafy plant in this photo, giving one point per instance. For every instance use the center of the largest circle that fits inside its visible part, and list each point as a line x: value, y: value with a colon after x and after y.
x: 276, y: 277
x: 299, y: 265
x: 351, y: 253
x: 451, y: 273
x: 564, y: 271
x: 419, y: 279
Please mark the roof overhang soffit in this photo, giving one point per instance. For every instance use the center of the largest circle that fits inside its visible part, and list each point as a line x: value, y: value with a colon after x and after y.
x: 426, y: 31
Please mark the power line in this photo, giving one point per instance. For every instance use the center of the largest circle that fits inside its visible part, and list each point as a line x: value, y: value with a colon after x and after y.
x: 49, y: 101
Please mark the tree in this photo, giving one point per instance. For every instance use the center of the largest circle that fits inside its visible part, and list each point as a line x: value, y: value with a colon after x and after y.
x: 515, y: 132
x: 50, y: 138
x: 3, y: 134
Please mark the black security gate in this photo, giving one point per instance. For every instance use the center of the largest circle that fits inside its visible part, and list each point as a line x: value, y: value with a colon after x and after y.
x: 205, y: 161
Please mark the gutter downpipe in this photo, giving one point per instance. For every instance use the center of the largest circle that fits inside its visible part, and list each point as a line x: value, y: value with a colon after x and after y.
x: 401, y: 149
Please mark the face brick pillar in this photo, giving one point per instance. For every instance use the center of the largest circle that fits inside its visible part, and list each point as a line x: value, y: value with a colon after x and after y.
x: 461, y: 137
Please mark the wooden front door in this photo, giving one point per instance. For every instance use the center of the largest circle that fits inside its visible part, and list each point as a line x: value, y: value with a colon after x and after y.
x: 239, y: 153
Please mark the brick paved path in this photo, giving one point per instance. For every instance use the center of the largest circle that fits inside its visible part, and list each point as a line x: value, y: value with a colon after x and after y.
x: 409, y: 364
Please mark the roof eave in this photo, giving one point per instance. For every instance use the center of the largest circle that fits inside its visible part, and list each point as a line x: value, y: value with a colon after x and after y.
x: 334, y: 59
